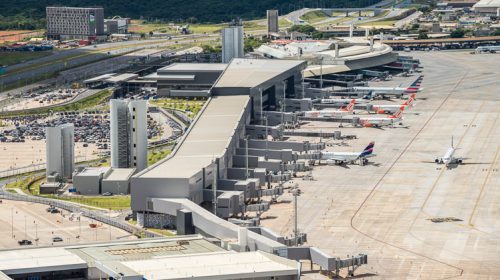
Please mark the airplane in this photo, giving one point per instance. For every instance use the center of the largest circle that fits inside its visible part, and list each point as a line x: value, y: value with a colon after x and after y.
x: 449, y: 157
x: 341, y: 101
x: 392, y: 108
x: 332, y: 113
x: 374, y: 92
x: 383, y: 121
x: 339, y: 158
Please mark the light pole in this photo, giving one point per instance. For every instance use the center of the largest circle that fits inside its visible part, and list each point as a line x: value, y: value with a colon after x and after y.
x: 284, y: 104
x: 25, y: 229
x: 246, y: 157
x: 214, y: 187
x: 12, y: 220
x: 321, y: 73
x: 266, y: 140
x: 261, y: 106
x: 295, y: 192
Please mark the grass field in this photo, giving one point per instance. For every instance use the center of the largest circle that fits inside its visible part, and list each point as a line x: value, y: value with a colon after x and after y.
x: 156, y: 155
x: 116, y: 202
x: 314, y: 17
x: 191, y: 107
x: 29, y: 184
x: 141, y: 27
x: 283, y: 23
x: 11, y: 58
x: 379, y: 24
x: 253, y: 25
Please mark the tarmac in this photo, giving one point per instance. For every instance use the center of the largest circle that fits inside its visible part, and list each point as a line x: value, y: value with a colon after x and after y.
x: 383, y: 209
x: 23, y: 220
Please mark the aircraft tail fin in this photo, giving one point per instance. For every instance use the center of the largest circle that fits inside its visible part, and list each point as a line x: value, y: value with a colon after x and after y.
x: 350, y: 106
x: 369, y: 95
x: 415, y: 86
x: 410, y: 101
x: 399, y: 113
x: 368, y: 150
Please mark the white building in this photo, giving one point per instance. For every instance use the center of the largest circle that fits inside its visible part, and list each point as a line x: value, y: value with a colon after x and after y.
x: 60, y: 150
x: 129, y: 134
x: 487, y: 7
x: 232, y: 43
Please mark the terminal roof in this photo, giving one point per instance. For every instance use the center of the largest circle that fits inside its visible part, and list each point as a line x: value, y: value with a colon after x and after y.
x: 206, y: 140
x: 227, y: 265
x: 249, y: 73
x: 193, y: 67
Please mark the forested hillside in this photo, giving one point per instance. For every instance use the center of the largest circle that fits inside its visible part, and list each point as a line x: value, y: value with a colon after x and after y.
x: 30, y: 14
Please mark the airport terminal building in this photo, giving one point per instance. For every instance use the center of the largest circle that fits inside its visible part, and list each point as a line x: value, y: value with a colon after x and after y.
x: 208, y: 153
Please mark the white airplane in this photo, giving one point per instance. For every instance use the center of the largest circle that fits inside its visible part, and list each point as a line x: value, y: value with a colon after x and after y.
x: 449, y: 157
x: 383, y: 121
x: 341, y: 101
x: 339, y: 158
x: 332, y: 113
x: 392, y: 108
x: 373, y: 92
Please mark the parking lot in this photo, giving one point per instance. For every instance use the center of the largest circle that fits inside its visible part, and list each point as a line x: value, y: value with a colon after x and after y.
x: 23, y: 138
x: 41, y: 98
x: 30, y: 221
x: 414, y: 219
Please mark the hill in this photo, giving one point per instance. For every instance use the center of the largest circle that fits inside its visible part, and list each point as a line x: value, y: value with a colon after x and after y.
x: 30, y: 14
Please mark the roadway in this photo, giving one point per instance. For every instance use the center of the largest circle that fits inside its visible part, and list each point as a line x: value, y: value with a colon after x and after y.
x: 71, y: 58
x: 384, y: 209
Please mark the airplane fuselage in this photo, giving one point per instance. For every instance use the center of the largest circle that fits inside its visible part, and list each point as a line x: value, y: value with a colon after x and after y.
x: 341, y: 101
x: 326, y: 114
x: 392, y: 108
x: 448, y: 156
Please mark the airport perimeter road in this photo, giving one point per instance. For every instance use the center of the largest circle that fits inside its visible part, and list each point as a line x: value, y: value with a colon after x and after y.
x: 61, y: 60
x: 385, y: 209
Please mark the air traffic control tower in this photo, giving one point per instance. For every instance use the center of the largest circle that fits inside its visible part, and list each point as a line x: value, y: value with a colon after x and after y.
x: 209, y: 148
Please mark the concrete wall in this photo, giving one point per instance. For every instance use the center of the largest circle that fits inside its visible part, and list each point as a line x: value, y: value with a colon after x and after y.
x: 116, y: 186
x: 88, y: 185
x: 276, y: 145
x: 285, y: 154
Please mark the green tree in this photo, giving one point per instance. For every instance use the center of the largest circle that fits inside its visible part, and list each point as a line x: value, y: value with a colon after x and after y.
x: 422, y: 35
x: 307, y: 29
x: 252, y: 43
x: 318, y: 35
x: 459, y: 33
x: 424, y: 9
x: 496, y: 33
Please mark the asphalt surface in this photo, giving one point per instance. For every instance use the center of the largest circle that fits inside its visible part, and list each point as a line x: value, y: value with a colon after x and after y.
x: 384, y: 209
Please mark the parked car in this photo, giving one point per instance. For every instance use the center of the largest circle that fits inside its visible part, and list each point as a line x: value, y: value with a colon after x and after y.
x: 57, y: 239
x: 107, y: 194
x: 25, y: 242
x: 52, y: 210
